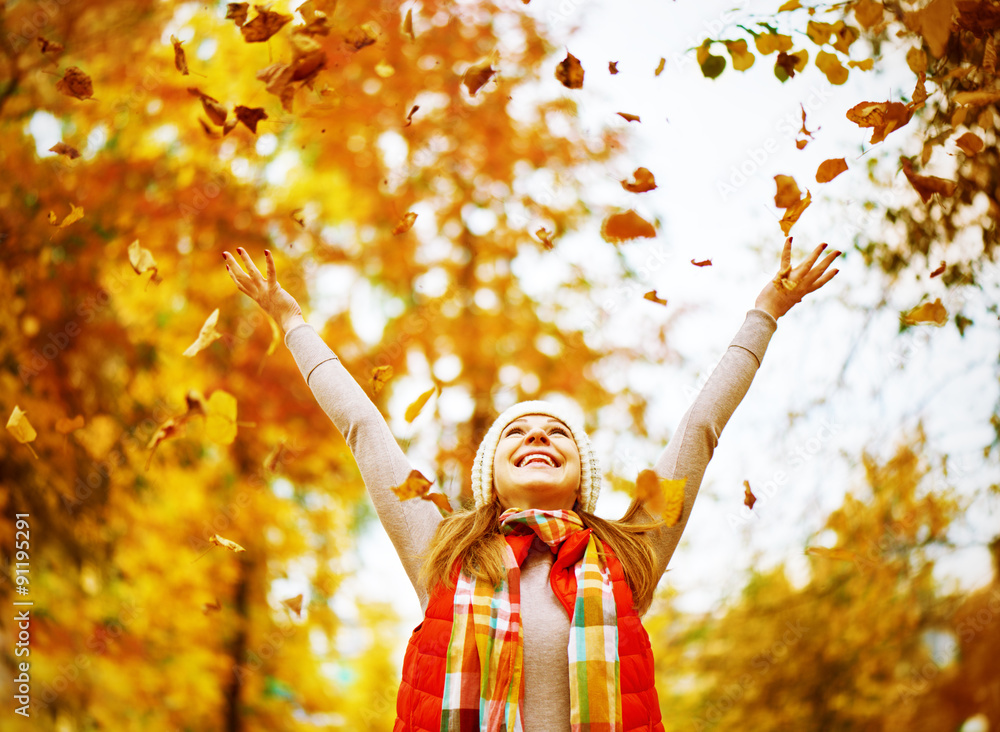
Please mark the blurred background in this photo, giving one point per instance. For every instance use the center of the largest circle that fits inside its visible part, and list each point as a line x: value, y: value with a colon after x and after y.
x: 156, y: 423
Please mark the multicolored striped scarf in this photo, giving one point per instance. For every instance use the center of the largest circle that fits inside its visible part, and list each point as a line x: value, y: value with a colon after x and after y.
x: 487, y: 634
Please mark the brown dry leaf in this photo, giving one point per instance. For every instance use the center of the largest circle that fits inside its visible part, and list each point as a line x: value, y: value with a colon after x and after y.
x: 142, y: 261
x: 884, y: 117
x: 793, y: 212
x: 361, y: 36
x: 788, y: 193
x: 652, y: 297
x: 970, y: 143
x: 20, y: 428
x: 415, y: 486
x: 830, y: 169
x: 294, y: 604
x: 662, y: 497
x: 919, y: 92
x: 976, y: 98
x: 166, y: 430
x: 62, y: 148
x: 64, y: 426
x: 226, y: 544
x: 629, y: 117
x: 308, y: 57
x: 792, y: 62
x: 404, y: 224
x: 418, y: 405
x: 929, y: 313
x: 380, y: 377
x: 47, y: 46
x: 824, y: 553
x: 644, y: 181
x: 264, y: 25
x: 210, y: 607
x: 702, y: 263
x: 229, y: 126
x: 940, y: 269
x: 612, y: 67
x: 215, y: 111
x: 250, y: 116
x: 75, y: 83
x: 865, y: 65
x: 805, y: 134
x: 237, y: 12
x: 180, y: 61
x: 916, y: 59
x: 626, y: 225
x: 660, y: 66
x: 829, y: 64
x: 409, y: 117
x: 933, y: 22
x: 990, y: 56
x: 278, y: 81
x: 868, y: 13
x: 476, y: 76
x: 206, y: 336
x: 408, y: 24
x: 545, y: 236
x: 748, y: 497
x: 926, y: 185
x: 569, y: 72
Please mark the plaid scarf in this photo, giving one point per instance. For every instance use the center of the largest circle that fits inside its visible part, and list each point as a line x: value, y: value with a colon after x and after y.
x: 486, y: 633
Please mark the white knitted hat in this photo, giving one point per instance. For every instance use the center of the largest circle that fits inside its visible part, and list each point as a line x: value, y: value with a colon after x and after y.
x: 482, y: 467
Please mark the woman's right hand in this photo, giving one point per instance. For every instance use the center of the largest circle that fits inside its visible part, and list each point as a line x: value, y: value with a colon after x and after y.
x: 267, y: 293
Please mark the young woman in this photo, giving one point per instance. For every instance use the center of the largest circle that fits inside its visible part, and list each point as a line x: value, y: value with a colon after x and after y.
x: 532, y: 604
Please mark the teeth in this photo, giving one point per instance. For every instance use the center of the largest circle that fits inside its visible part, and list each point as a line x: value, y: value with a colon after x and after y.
x: 537, y: 458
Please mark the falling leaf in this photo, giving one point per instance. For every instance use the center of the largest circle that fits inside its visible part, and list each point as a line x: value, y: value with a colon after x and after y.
x: 278, y: 80
x: 748, y: 497
x: 663, y: 497
x: 969, y: 143
x: 226, y: 544
x: 75, y: 83
x: 926, y: 185
x: 768, y: 43
x: 264, y: 25
x: 74, y: 215
x: 417, y: 406
x: 210, y: 607
x: 21, y: 429
x: 65, y: 426
x: 142, y: 261
x: 569, y: 72
x: 711, y: 66
x: 652, y: 297
x: 207, y: 335
x: 788, y: 63
x: 703, y: 263
x: 440, y: 500
x: 404, y: 224
x: 545, y: 236
x: 933, y: 22
x: 237, y: 12
x: 644, y: 181
x: 990, y: 56
x: 929, y: 313
x: 476, y: 76
x: 866, y: 65
x: 220, y: 417
x: 47, y: 46
x: 788, y: 193
x: 180, y: 61
x: 868, y: 13
x: 409, y: 117
x: 830, y: 169
x: 61, y: 148
x: 659, y: 68
x: 940, y: 269
x: 294, y: 604
x: 790, y: 5
x: 626, y: 225
x: 308, y: 58
x: 629, y: 117
x: 415, y: 486
x: 742, y: 58
x: 380, y: 377
x: 829, y: 64
x: 805, y: 134
x: 360, y: 36
x: 215, y: 111
x: 793, y: 212
x: 408, y: 24
x: 250, y: 116
x: 612, y: 67
x: 976, y: 98
x: 824, y: 553
x: 165, y: 431
x: 883, y: 117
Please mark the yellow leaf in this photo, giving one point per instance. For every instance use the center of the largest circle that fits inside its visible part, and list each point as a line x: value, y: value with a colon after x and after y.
x: 788, y: 192
x: 829, y: 64
x: 226, y: 544
x: 19, y: 426
x: 976, y: 98
x: 660, y: 67
x: 652, y: 297
x: 207, y: 335
x: 823, y: 552
x: 768, y: 43
x: 662, y: 497
x: 742, y: 58
x: 441, y: 501
x: 930, y: 313
x: 867, y: 65
x: 790, y: 5
x: 793, y: 212
x: 142, y: 260
x: 404, y: 224
x: 294, y: 604
x: 380, y: 377
x: 916, y: 59
x: 415, y: 486
x: 220, y: 417
x: 416, y: 407
x: 408, y: 24
x: 830, y: 169
x: 74, y: 215
x: 628, y: 225
x: 748, y: 497
x: 545, y: 236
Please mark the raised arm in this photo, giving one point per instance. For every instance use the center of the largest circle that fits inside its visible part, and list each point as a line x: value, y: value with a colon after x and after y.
x: 409, y: 524
x: 693, y: 443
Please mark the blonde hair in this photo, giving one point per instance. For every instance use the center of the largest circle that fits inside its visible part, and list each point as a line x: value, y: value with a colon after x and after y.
x: 472, y: 539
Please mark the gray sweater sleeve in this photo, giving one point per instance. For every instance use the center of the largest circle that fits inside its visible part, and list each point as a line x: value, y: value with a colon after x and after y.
x: 410, y: 524
x: 693, y: 443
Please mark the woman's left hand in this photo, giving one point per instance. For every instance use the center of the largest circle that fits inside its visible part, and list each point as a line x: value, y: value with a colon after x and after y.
x: 790, y: 285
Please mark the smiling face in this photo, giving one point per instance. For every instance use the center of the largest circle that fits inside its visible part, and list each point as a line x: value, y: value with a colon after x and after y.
x: 537, y: 464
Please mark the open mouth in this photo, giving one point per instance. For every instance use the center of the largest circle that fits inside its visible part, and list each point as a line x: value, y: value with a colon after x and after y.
x: 537, y: 459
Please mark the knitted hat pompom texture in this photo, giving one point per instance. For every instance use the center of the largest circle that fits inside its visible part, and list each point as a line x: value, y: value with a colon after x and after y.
x: 482, y: 467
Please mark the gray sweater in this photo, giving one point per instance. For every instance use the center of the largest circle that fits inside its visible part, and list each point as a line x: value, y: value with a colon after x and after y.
x: 411, y: 524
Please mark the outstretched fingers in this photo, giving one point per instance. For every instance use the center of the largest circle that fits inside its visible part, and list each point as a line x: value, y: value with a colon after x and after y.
x: 251, y: 267
x: 272, y: 276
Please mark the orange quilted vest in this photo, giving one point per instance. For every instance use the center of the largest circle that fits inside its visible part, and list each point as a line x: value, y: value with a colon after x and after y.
x: 418, y: 704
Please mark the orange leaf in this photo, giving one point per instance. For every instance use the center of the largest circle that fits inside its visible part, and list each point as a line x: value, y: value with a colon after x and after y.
x: 404, y: 224
x: 415, y: 486
x: 830, y: 169
x: 933, y: 22
x: 569, y: 72
x: 264, y: 25
x: 65, y: 426
x: 476, y: 76
x: 417, y: 406
x: 940, y: 269
x: 929, y: 313
x: 627, y: 225
x: 662, y: 497
x: 969, y: 143
x: 361, y: 36
x: 545, y: 236
x: 884, y: 117
x: 294, y: 604
x: 788, y: 192
x: 612, y: 67
x: 74, y: 215
x: 702, y: 263
x: 793, y: 212
x: 651, y: 296
x: 408, y: 24
x: 61, y: 148
x: 748, y: 497
x: 926, y: 185
x: 179, y: 59
x: 644, y: 181
x: 441, y: 501
x: 75, y: 83
x: 629, y: 117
